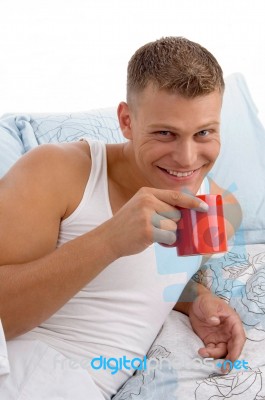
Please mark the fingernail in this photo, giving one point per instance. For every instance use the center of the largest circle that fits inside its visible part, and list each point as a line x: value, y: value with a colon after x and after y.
x: 202, y: 207
x: 169, y: 237
x: 227, y: 369
x: 175, y: 214
x: 215, y: 320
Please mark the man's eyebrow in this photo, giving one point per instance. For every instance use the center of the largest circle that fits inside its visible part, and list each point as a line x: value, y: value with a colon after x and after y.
x: 163, y: 127
x: 166, y: 127
x: 208, y: 124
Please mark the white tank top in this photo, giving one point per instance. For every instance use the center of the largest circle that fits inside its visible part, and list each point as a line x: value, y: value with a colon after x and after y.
x: 120, y: 312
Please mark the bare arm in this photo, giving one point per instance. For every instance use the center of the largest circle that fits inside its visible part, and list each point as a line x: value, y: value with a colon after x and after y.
x: 191, y: 291
x: 36, y: 279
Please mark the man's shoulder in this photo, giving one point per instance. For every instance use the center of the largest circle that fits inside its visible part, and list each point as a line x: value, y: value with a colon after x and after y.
x: 59, y: 154
x: 66, y: 165
x: 59, y: 171
x: 55, y: 160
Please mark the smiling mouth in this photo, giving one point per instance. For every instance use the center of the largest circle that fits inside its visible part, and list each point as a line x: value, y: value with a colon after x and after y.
x: 178, y: 174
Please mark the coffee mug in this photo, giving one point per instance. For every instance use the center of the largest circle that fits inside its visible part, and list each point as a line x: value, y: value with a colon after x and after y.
x: 202, y: 232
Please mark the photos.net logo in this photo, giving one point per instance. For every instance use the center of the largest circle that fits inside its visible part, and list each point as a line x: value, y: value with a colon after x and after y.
x: 147, y: 365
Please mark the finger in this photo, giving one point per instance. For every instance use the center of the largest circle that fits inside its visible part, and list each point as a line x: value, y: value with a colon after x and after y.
x: 180, y: 199
x: 162, y: 222
x: 211, y: 309
x: 164, y: 236
x: 214, y: 351
x: 234, y: 336
x: 237, y: 341
x: 217, y: 337
x: 173, y: 214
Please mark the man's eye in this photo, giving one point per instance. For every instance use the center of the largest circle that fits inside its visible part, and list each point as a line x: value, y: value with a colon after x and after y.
x: 203, y: 133
x: 165, y: 133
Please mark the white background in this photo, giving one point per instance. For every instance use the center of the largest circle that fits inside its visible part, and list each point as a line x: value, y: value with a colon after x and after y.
x: 71, y: 55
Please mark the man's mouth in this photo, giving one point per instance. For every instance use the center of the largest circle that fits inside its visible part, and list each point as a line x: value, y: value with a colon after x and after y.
x: 178, y: 174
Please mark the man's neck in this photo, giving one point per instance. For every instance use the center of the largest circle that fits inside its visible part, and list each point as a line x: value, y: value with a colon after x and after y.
x: 122, y: 169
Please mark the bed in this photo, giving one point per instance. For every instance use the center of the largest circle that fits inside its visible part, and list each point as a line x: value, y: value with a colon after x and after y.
x: 237, y: 276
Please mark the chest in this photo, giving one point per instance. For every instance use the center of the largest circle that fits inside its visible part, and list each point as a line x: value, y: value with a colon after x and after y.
x: 117, y: 197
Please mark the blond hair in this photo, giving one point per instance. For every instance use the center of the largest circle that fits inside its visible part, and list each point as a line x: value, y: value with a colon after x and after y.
x: 175, y: 64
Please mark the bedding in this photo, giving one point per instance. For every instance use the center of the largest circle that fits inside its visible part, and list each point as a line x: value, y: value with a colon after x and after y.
x: 36, y: 374
x: 237, y: 276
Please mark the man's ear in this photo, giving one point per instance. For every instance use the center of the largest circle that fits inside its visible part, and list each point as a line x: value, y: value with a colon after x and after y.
x: 125, y: 120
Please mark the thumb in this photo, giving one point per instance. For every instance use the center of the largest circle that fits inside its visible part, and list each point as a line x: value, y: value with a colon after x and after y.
x: 214, y: 320
x: 210, y: 308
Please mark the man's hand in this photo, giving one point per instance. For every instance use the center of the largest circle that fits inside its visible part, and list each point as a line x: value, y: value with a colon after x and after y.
x: 149, y: 216
x: 219, y: 327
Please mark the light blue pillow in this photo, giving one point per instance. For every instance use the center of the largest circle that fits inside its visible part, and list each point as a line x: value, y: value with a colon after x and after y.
x: 11, y: 147
x: 101, y: 124
x: 21, y: 133
x: 240, y: 167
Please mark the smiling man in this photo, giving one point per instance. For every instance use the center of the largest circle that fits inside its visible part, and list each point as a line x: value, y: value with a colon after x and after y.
x: 173, y: 140
x: 78, y: 268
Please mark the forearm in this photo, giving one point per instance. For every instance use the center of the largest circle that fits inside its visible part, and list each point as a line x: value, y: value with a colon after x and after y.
x: 191, y: 291
x: 31, y: 292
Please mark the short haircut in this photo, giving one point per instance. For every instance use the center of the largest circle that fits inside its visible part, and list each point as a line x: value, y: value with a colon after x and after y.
x: 175, y: 64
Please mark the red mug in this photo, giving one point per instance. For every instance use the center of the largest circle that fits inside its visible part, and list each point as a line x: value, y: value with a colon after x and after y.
x: 202, y: 232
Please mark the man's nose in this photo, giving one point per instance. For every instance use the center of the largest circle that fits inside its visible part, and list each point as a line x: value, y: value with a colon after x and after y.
x: 186, y: 154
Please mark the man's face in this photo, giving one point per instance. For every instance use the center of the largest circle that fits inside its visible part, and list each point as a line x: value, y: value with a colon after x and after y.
x: 175, y: 140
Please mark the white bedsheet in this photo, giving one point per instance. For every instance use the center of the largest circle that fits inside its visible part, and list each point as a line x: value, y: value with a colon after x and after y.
x: 34, y: 375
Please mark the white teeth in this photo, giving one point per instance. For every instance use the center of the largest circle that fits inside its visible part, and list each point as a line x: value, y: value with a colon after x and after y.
x: 180, y: 174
